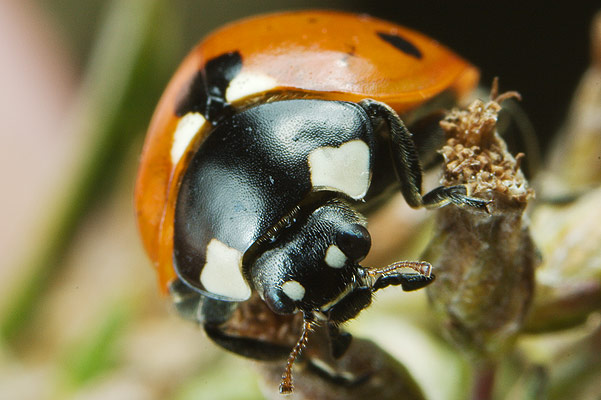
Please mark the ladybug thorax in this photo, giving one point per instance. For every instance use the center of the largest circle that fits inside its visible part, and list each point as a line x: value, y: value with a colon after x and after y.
x: 253, y: 170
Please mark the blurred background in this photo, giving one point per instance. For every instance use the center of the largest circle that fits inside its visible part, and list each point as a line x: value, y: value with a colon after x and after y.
x: 80, y: 314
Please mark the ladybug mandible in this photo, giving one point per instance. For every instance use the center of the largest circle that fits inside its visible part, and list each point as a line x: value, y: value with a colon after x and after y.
x: 271, y: 137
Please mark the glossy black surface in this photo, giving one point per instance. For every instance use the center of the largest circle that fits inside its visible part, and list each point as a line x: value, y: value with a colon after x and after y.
x: 206, y: 92
x: 401, y: 44
x: 252, y: 170
x: 298, y: 254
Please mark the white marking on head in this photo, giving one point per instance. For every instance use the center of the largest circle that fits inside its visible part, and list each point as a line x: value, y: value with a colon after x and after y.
x: 247, y: 83
x: 336, y: 300
x: 222, y: 272
x: 335, y: 258
x: 294, y: 290
x: 186, y: 129
x: 344, y: 168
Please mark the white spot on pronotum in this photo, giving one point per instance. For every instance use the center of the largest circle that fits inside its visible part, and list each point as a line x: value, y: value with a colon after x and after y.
x: 344, y: 168
x: 294, y: 290
x: 247, y: 83
x: 335, y: 258
x: 222, y: 273
x: 186, y: 129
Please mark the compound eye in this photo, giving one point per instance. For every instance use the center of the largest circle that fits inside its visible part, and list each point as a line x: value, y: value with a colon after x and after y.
x: 355, y: 242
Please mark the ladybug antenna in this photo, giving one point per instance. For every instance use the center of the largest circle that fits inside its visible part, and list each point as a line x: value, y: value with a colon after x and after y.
x: 286, y: 384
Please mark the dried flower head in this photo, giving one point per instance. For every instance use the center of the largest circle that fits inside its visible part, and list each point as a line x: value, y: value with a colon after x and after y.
x: 476, y: 155
x: 484, y: 262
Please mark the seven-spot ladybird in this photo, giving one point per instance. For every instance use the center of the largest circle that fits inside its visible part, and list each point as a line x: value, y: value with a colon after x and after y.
x: 272, y: 136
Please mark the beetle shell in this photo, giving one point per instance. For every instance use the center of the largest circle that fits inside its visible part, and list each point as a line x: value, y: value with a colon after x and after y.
x: 238, y: 186
x: 313, y: 54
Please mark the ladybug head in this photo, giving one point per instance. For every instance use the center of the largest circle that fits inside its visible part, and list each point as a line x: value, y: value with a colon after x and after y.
x: 313, y: 264
x: 310, y: 264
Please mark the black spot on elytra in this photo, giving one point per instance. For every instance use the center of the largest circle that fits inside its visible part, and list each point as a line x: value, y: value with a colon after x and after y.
x: 402, y: 44
x: 351, y: 49
x: 206, y: 91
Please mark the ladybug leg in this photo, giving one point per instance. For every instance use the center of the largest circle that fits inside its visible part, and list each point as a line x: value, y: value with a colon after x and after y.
x: 194, y: 306
x: 248, y: 347
x: 379, y: 278
x: 339, y: 378
x: 408, y: 281
x: 340, y: 340
x: 330, y: 369
x: 187, y: 301
x: 408, y: 168
x: 213, y: 315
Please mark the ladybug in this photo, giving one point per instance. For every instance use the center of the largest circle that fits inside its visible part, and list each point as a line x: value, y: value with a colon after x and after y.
x: 272, y: 137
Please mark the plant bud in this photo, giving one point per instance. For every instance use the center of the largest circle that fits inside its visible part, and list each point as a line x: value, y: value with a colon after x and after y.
x: 484, y: 262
